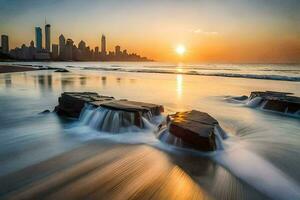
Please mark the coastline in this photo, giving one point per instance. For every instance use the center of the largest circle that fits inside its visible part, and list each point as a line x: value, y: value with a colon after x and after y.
x: 10, y: 69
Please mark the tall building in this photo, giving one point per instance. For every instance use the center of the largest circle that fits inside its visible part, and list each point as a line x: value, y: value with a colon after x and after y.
x: 54, y: 51
x: 69, y: 49
x: 47, y: 37
x: 103, y: 45
x: 5, y: 44
x: 32, y: 44
x: 81, y: 45
x: 62, y: 44
x: 118, y: 50
x: 38, y: 38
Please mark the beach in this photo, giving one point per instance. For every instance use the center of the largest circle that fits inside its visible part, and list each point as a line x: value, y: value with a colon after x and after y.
x: 47, y: 155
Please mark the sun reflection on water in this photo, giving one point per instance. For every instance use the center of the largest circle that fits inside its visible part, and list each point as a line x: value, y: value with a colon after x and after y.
x: 179, y: 88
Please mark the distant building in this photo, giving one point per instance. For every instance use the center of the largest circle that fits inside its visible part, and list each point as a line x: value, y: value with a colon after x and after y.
x: 62, y: 45
x: 81, y: 45
x: 125, y: 53
x: 42, y: 55
x: 54, y: 51
x: 38, y: 38
x: 103, y: 45
x: 69, y: 50
x: 47, y: 37
x: 96, y: 50
x: 32, y: 44
x: 32, y: 51
x: 5, y: 44
x: 118, y: 51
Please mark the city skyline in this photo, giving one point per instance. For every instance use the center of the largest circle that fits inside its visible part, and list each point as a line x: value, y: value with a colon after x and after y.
x: 213, y: 31
x: 65, y: 50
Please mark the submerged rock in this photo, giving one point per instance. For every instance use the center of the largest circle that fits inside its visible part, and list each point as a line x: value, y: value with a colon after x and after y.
x: 61, y: 70
x: 192, y: 129
x: 276, y: 101
x: 118, y: 112
x: 45, y: 112
x: 240, y: 98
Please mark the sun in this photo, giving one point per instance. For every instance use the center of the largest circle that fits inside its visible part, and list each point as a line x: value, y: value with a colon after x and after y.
x: 180, y: 49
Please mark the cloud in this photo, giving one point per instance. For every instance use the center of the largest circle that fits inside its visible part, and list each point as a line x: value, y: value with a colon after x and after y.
x: 200, y: 31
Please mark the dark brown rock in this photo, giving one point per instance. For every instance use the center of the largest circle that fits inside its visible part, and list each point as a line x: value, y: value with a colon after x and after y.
x: 195, y: 129
x: 71, y: 104
x: 278, y: 101
x: 62, y: 70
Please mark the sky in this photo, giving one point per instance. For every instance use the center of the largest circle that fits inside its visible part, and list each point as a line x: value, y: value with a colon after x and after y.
x: 222, y: 31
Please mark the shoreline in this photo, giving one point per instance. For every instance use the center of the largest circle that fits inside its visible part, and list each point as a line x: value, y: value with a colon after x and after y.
x: 11, y: 68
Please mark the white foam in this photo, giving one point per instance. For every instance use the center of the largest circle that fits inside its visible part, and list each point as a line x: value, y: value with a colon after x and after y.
x: 259, y: 173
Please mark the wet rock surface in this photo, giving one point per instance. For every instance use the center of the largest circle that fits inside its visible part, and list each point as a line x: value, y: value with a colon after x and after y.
x: 72, y: 103
x: 193, y: 129
x: 277, y: 101
x: 45, y: 112
x: 61, y: 70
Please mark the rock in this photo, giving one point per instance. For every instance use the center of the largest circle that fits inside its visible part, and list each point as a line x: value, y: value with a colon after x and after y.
x: 241, y: 98
x: 72, y: 103
x: 193, y: 129
x: 277, y: 101
x: 133, y: 106
x: 45, y: 112
x: 61, y: 70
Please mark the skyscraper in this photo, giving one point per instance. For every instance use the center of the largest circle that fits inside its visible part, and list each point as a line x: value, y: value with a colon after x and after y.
x: 47, y: 37
x: 4, y: 44
x: 54, y: 51
x: 103, y: 45
x: 62, y: 44
x: 81, y: 45
x: 38, y: 38
x: 118, y: 50
x: 69, y: 49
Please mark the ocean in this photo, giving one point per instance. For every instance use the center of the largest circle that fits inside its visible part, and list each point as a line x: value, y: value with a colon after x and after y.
x: 259, y: 159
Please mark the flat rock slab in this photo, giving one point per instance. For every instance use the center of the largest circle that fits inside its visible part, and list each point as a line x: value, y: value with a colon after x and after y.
x: 278, y: 101
x: 196, y: 129
x: 133, y: 106
x: 72, y: 103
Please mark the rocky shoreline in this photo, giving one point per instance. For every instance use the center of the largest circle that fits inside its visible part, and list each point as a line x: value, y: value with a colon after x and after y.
x: 194, y: 129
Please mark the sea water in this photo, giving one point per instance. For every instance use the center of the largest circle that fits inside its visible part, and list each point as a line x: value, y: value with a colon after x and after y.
x: 259, y: 157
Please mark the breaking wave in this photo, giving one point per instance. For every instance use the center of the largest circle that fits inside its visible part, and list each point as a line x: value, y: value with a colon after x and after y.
x: 174, y: 71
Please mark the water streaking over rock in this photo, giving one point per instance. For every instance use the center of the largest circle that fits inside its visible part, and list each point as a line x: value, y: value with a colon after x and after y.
x: 279, y: 102
x: 112, y: 121
x: 106, y: 113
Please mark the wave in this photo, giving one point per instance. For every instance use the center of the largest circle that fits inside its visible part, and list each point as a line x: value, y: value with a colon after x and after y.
x: 230, y: 75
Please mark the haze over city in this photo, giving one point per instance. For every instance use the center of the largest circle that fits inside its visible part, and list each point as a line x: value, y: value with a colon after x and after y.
x: 210, y: 31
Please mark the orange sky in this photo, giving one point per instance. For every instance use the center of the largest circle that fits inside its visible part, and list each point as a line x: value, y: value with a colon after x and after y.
x: 212, y: 31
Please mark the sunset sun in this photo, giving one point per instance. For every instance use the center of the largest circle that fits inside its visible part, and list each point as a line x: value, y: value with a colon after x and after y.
x: 180, y: 50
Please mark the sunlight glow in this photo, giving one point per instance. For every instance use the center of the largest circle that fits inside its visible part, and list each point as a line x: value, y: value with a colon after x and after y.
x: 180, y: 49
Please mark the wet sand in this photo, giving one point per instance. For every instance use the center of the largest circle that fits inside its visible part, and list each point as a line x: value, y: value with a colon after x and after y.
x: 103, y: 169
x: 96, y: 170
x: 9, y: 69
